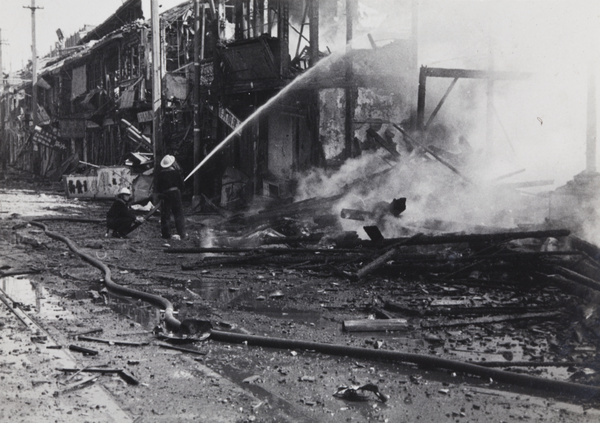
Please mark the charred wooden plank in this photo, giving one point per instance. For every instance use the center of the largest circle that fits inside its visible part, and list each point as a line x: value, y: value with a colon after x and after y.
x: 587, y: 294
x: 382, y: 314
x: 382, y: 142
x: 89, y: 370
x: 574, y: 288
x: 494, y: 319
x: 87, y: 332
x: 188, y: 350
x: 577, y: 277
x: 375, y: 325
x: 588, y: 248
x: 374, y: 233
x: 416, y: 143
x: 271, y: 259
x: 383, y: 258
x: 460, y: 238
x: 129, y: 379
x: 112, y: 342
x: 85, y: 351
x: 400, y: 308
x: 308, y: 239
x: 281, y: 251
x: 225, y: 261
x: 465, y: 311
x: 520, y: 255
x: 79, y: 385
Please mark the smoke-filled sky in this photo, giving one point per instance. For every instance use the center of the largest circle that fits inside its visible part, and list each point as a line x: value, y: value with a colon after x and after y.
x: 538, y: 124
x: 67, y: 15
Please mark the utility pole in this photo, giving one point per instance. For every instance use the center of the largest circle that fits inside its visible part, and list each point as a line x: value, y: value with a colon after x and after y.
x: 414, y: 42
x: 313, y: 16
x: 156, y: 87
x: 3, y: 142
x: 1, y: 73
x: 33, y: 8
x: 350, y: 90
x: 196, y: 97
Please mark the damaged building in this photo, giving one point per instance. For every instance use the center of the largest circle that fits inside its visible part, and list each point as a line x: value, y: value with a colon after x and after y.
x: 95, y: 94
x: 355, y: 246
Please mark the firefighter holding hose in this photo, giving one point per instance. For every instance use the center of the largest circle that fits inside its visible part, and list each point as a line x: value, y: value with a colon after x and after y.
x: 169, y: 184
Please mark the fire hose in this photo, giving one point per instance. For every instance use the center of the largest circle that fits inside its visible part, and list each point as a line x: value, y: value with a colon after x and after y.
x: 562, y: 388
x: 171, y: 322
x: 568, y: 389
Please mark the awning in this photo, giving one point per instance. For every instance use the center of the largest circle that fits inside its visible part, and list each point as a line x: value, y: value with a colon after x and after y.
x: 79, y: 81
x: 42, y: 83
x: 176, y: 87
x: 127, y: 98
x: 88, y: 97
x: 43, y: 118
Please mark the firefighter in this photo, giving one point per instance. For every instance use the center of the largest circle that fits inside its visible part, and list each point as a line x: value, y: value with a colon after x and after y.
x: 169, y: 184
x: 120, y: 218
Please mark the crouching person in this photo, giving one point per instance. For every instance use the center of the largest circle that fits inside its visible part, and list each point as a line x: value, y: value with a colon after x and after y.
x: 120, y: 218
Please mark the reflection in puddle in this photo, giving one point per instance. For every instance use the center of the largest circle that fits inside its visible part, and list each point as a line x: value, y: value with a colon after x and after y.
x: 145, y: 314
x: 214, y: 290
x: 30, y: 203
x: 211, y: 290
x: 33, y: 297
x: 298, y: 316
x: 20, y: 290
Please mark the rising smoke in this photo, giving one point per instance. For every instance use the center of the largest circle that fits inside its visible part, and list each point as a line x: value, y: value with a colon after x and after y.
x: 537, y: 124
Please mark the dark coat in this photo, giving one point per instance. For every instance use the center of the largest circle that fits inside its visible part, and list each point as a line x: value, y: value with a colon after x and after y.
x: 119, y: 211
x: 168, y: 178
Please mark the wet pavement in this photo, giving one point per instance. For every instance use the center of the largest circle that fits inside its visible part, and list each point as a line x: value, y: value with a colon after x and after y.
x: 31, y: 388
x: 64, y: 297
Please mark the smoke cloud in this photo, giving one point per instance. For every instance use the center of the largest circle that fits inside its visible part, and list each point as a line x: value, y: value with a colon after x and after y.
x: 535, y: 128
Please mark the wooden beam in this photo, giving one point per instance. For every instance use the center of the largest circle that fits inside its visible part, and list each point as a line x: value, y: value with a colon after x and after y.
x: 460, y: 238
x: 371, y: 325
x: 494, y: 319
x: 474, y: 74
x: 441, y: 103
x: 382, y: 259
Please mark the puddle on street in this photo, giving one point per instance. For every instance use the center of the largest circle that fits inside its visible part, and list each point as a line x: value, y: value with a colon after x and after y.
x: 298, y: 316
x: 30, y: 203
x: 140, y: 312
x: 33, y: 297
x: 211, y: 290
x: 507, y: 349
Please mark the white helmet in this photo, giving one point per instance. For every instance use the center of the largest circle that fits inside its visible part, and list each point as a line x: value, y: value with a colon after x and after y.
x: 167, y: 161
x: 124, y: 191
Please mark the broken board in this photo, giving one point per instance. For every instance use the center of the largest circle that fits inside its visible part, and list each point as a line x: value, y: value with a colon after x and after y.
x: 375, y: 325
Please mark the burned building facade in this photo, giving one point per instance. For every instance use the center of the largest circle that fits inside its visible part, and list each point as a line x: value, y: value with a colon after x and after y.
x: 221, y: 62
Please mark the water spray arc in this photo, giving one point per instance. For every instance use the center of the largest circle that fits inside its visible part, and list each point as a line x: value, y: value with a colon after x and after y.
x: 295, y: 84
